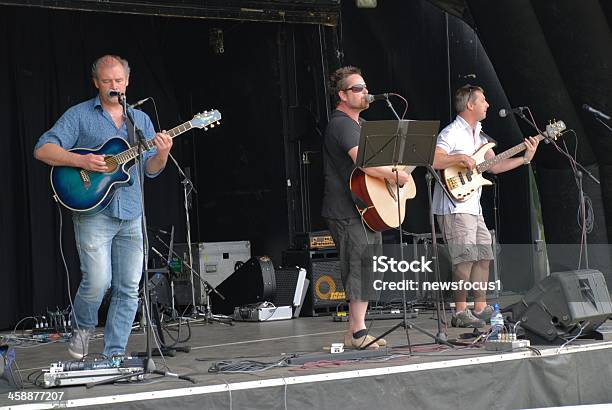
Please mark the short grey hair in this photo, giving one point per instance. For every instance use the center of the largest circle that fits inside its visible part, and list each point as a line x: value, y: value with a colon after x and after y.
x: 109, y: 60
x: 465, y: 94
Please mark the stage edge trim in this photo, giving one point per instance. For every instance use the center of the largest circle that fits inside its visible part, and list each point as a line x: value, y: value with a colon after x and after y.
x: 313, y: 378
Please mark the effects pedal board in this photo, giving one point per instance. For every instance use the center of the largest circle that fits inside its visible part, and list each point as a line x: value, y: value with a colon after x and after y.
x: 378, y: 314
x: 506, y: 345
x: 75, y: 372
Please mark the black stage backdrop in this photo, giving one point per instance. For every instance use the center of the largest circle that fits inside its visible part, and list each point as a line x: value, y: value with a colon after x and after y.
x: 253, y: 180
x: 416, y: 50
x: 238, y: 168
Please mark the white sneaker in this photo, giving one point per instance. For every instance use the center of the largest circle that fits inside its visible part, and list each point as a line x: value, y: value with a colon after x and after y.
x: 78, y: 347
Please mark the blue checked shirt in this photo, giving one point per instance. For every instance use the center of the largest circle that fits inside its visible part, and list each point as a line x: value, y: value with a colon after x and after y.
x: 88, y: 125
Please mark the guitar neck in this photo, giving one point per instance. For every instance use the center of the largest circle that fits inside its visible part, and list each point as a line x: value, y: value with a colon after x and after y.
x: 132, y: 153
x: 485, y: 165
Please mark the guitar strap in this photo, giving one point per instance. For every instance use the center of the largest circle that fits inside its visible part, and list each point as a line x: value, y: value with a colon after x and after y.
x: 362, y: 206
x: 359, y: 203
x: 130, y: 130
x: 132, y: 141
x: 487, y: 137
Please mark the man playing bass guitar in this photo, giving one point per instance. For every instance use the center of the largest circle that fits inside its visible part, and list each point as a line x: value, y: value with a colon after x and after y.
x: 463, y: 227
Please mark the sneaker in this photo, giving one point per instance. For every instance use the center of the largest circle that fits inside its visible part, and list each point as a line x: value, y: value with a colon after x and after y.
x: 350, y: 342
x: 466, y: 319
x: 485, y: 314
x: 79, y: 343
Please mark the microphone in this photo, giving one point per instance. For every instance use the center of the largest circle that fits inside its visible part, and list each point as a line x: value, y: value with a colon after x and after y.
x: 504, y: 112
x: 139, y: 102
x: 376, y: 97
x: 114, y: 93
x: 595, y: 112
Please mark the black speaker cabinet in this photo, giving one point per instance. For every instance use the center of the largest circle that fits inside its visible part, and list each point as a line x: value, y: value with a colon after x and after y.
x: 325, y: 291
x: 563, y: 303
x: 253, y: 282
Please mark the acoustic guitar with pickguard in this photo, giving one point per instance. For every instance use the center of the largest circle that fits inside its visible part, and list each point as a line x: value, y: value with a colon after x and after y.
x: 89, y: 192
x: 379, y: 199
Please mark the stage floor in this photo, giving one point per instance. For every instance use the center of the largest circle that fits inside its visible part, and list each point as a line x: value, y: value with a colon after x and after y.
x: 433, y: 377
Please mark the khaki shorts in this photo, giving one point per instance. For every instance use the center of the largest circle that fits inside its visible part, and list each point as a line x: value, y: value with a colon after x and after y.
x: 467, y: 237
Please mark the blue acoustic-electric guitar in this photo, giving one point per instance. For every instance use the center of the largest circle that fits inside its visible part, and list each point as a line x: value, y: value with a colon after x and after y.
x: 89, y: 192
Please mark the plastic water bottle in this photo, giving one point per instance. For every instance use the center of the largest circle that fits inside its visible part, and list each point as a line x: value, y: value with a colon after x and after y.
x: 497, y: 323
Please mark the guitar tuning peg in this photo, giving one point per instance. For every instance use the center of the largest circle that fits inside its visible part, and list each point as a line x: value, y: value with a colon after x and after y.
x: 218, y: 122
x: 212, y: 125
x: 205, y: 128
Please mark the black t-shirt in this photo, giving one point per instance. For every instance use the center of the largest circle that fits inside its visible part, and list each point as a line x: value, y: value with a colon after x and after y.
x: 341, y: 134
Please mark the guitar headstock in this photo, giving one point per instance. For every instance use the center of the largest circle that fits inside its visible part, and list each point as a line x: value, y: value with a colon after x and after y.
x: 554, y: 129
x: 206, y: 119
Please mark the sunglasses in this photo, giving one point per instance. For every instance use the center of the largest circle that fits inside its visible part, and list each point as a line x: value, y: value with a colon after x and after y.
x: 357, y: 88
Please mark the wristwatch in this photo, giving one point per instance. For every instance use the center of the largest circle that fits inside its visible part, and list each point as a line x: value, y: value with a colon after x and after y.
x: 526, y: 161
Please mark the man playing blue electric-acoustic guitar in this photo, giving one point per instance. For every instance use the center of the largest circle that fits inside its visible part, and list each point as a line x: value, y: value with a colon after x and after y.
x: 109, y: 242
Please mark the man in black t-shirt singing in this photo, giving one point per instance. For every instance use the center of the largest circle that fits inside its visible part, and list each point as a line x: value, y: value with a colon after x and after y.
x: 352, y: 237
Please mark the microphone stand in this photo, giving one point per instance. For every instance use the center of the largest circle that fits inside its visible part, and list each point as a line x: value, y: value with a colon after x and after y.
x: 149, y: 365
x: 209, y: 317
x: 552, y: 141
x: 187, y: 188
x: 604, y: 124
x: 141, y: 142
x: 441, y: 336
x: 577, y: 173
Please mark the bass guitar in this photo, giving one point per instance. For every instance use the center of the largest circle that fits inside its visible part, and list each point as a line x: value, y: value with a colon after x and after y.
x: 462, y: 183
x: 90, y: 192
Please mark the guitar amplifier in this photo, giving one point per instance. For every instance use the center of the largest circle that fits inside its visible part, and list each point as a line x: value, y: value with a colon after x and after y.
x: 314, y: 240
x: 326, y: 292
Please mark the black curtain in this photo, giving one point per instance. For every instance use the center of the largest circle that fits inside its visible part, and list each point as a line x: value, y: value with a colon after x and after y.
x: 550, y: 56
x: 555, y: 57
x: 269, y: 86
x: 557, y: 61
x: 401, y: 48
x: 238, y: 168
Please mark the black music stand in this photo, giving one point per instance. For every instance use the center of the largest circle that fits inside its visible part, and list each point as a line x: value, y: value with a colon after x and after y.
x: 402, y: 143
x: 397, y: 143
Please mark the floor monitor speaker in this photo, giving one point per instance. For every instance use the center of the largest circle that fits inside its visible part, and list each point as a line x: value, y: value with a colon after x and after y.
x: 564, y: 304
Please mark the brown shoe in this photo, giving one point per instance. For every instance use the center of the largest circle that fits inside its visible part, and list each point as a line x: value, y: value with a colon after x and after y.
x: 351, y: 342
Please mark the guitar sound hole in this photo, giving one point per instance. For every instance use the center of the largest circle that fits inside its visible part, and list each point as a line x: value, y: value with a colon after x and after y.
x: 111, y: 163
